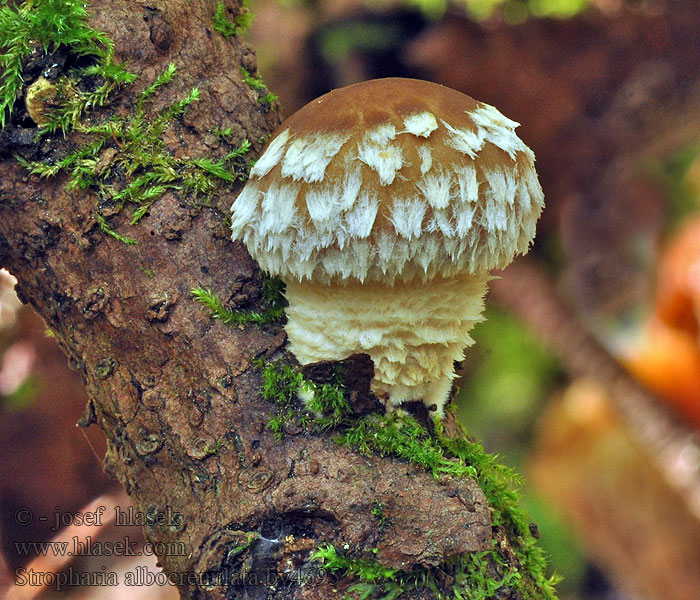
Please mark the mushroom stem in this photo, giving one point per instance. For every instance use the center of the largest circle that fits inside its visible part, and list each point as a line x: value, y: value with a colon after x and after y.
x: 413, y: 331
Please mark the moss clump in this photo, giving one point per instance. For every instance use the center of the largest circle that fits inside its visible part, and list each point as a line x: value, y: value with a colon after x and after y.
x: 475, y: 576
x: 51, y: 24
x: 132, y: 147
x: 125, y: 162
x: 400, y: 435
x: 325, y: 408
x: 273, y: 298
x: 281, y: 383
x: 378, y: 512
x: 230, y: 26
x: 256, y: 83
x: 367, y: 570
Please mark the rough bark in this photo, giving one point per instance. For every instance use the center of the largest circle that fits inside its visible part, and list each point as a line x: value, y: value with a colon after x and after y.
x: 175, y: 392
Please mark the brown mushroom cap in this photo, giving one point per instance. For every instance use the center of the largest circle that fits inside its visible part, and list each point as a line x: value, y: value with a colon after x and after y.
x: 390, y: 178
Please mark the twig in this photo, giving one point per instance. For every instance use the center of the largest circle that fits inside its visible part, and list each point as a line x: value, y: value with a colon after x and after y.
x: 675, y: 448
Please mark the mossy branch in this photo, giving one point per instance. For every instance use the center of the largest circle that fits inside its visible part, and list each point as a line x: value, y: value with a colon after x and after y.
x: 322, y: 407
x: 398, y: 434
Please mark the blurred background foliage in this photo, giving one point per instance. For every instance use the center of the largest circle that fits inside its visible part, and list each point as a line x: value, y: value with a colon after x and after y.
x: 513, y: 11
x: 605, y: 319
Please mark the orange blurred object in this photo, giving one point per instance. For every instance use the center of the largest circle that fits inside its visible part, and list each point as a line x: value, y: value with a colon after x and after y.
x: 667, y: 362
x: 678, y: 295
x: 665, y: 355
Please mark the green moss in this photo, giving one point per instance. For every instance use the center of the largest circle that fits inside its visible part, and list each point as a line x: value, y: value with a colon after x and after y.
x: 378, y: 512
x: 256, y: 83
x: 326, y: 406
x: 280, y: 385
x: 124, y: 162
x: 102, y: 222
x: 74, y: 102
x: 474, y: 579
x: 366, y: 570
x: 222, y: 133
x: 476, y: 576
x: 229, y: 27
x: 149, y: 273
x: 52, y: 24
x: 398, y: 434
x: 327, y: 402
x: 146, y: 171
x: 272, y: 296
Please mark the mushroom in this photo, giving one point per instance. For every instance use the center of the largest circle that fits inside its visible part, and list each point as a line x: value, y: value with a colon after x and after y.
x: 383, y: 206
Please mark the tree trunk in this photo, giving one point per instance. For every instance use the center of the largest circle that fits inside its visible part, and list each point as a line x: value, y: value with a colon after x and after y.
x: 177, y: 393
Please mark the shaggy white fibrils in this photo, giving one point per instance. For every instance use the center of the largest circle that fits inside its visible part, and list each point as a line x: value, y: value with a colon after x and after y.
x: 383, y: 206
